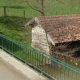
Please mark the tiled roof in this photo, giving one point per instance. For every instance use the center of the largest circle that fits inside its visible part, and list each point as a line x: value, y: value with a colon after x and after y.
x: 62, y: 28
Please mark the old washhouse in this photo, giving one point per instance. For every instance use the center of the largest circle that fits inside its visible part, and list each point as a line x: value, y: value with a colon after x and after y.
x: 55, y: 35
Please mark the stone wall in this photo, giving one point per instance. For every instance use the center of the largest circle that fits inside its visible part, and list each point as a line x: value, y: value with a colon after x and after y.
x: 39, y: 40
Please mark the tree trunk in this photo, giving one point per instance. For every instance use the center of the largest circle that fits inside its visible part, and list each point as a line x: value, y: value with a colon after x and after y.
x: 42, y: 7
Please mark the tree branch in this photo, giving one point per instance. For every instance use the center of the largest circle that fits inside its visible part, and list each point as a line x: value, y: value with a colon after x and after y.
x: 36, y: 9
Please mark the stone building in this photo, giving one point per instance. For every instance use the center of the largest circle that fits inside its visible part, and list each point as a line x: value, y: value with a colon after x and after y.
x: 54, y: 30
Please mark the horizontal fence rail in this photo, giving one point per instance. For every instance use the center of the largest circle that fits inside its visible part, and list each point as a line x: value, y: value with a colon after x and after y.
x: 47, y: 65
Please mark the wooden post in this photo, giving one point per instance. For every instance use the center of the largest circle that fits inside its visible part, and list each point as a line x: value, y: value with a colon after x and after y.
x: 4, y: 11
x: 24, y: 13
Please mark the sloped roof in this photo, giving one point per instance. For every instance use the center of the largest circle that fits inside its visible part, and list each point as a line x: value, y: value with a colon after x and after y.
x: 60, y: 28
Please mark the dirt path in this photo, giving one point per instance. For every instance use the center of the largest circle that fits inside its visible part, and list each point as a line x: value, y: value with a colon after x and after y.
x: 7, y: 72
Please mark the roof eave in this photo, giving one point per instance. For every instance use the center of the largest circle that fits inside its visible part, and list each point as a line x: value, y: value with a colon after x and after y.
x: 32, y: 22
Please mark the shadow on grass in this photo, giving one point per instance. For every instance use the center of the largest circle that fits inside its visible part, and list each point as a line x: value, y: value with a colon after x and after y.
x: 14, y: 21
x: 13, y: 27
x: 15, y: 7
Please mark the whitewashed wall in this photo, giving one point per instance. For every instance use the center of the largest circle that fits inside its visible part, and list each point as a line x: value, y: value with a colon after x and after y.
x: 39, y: 40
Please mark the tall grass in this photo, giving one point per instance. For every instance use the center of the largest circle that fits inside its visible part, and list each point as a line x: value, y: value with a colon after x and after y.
x: 14, y: 27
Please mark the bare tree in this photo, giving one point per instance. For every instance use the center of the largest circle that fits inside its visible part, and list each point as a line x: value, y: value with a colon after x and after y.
x: 41, y: 5
x: 37, y: 5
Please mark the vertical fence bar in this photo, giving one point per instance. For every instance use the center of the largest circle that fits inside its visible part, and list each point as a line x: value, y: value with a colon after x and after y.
x: 64, y: 73
x: 12, y: 48
x: 25, y: 55
x: 2, y: 43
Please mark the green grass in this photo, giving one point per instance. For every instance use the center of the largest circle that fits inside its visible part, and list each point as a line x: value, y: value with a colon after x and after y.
x: 52, y: 7
x: 14, y: 27
x: 17, y: 9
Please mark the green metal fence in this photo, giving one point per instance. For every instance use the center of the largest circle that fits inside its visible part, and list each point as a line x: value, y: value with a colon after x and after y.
x: 47, y: 65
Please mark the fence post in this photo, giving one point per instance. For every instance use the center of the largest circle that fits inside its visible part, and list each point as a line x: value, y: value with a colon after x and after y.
x: 4, y: 11
x: 24, y: 13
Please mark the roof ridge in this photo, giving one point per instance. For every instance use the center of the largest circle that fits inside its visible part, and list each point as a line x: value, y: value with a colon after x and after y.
x: 68, y: 15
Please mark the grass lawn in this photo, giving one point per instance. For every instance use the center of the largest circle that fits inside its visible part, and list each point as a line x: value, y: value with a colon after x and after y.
x: 14, y: 27
x: 52, y: 7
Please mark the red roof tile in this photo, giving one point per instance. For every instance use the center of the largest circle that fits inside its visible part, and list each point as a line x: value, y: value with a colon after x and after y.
x: 61, y: 28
